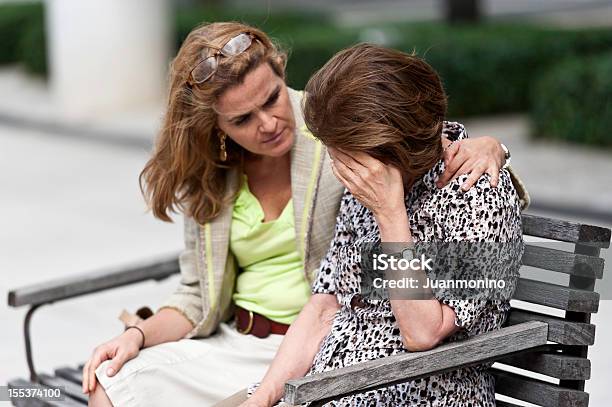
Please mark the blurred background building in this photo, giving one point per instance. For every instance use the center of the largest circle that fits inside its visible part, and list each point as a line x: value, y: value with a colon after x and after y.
x: 82, y: 95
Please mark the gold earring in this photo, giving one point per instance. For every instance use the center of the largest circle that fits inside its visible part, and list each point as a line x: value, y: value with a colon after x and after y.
x: 223, y: 154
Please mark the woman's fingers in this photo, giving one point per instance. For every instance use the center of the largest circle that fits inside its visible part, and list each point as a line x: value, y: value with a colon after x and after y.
x: 85, y: 382
x: 475, y: 171
x: 450, y: 152
x: 491, y: 148
x: 116, y: 363
x: 341, y: 163
x: 473, y: 178
x: 363, y: 159
x: 89, y: 370
x: 91, y: 374
x: 494, y: 173
x: 347, y: 160
x: 335, y: 154
x: 454, y: 168
x: 351, y: 181
x: 339, y: 169
x: 358, y: 161
x: 366, y: 169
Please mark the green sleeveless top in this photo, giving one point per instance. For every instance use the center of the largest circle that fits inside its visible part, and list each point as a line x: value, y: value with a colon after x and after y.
x: 271, y: 279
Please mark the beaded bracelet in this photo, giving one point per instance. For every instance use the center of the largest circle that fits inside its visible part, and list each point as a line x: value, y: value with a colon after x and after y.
x: 141, y: 332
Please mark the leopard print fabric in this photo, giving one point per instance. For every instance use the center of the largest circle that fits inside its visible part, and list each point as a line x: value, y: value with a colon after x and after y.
x: 358, y: 334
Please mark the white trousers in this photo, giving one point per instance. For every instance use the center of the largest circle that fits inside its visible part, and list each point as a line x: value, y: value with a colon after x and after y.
x: 191, y: 372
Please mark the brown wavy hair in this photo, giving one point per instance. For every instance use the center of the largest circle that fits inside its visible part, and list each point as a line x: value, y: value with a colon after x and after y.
x: 185, y: 172
x: 381, y: 101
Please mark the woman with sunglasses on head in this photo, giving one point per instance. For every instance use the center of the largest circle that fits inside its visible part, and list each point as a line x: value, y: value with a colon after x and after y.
x: 259, y: 203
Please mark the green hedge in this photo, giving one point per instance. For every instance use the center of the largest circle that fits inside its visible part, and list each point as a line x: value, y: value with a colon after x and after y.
x: 573, y: 101
x: 18, y: 25
x: 278, y: 24
x: 310, y: 48
x: 486, y: 69
x: 491, y: 68
x: 32, y: 46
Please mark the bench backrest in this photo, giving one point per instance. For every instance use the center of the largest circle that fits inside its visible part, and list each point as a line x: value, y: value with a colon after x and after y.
x: 566, y: 307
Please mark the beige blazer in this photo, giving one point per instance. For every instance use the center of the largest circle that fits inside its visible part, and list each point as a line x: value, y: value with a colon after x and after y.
x: 208, y: 269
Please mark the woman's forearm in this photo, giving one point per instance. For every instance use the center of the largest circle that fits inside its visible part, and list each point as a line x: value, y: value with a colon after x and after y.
x: 299, y: 347
x: 166, y: 325
x: 422, y: 322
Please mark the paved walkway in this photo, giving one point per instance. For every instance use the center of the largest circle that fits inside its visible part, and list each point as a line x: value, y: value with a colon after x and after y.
x: 567, y: 179
x: 68, y: 207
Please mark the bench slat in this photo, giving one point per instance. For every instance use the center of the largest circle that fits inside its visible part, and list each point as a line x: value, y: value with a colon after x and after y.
x: 559, y: 330
x: 70, y: 287
x: 408, y: 366
x: 71, y: 389
x: 565, y: 231
x: 556, y: 296
x: 500, y: 403
x: 563, y: 262
x: 36, y: 402
x: 69, y: 373
x: 536, y: 391
x: 555, y: 365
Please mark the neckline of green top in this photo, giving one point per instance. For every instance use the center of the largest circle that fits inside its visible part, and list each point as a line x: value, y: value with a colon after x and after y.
x: 246, y: 193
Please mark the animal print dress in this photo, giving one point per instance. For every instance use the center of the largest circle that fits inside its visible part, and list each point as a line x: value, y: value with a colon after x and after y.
x: 358, y: 334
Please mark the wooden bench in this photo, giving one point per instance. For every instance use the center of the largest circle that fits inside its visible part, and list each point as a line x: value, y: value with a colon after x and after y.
x: 535, y: 342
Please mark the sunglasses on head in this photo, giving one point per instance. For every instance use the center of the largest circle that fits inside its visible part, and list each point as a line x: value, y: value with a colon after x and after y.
x: 207, y: 67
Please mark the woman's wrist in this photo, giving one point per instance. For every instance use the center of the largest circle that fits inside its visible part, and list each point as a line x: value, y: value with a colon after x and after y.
x: 389, y: 212
x: 268, y: 394
x: 136, y: 336
x: 394, y: 226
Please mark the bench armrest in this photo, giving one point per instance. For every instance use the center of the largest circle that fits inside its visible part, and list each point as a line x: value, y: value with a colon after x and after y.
x: 64, y: 288
x: 383, y: 372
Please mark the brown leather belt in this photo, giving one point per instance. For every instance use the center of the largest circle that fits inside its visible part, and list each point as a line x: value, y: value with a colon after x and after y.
x: 249, y: 322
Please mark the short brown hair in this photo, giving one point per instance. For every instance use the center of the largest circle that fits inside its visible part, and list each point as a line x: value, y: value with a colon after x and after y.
x: 381, y: 101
